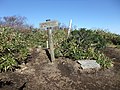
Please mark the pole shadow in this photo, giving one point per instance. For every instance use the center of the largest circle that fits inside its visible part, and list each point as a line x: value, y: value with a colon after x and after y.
x: 48, y: 54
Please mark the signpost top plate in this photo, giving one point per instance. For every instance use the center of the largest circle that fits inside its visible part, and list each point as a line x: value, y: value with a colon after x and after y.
x: 49, y: 24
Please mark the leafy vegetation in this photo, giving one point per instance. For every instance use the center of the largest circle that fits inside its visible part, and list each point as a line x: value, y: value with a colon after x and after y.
x: 111, y: 38
x: 15, y: 43
x: 13, y: 48
x: 36, y: 38
x: 84, y: 44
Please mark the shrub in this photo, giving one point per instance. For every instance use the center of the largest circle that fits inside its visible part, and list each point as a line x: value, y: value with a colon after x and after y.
x: 83, y: 44
x: 13, y: 48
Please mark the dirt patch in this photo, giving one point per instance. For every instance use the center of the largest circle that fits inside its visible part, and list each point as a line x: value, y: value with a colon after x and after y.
x: 113, y: 53
x: 62, y: 74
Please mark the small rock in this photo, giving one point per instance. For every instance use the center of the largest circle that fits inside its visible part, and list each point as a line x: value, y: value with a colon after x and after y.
x: 39, y: 49
x: 89, y: 64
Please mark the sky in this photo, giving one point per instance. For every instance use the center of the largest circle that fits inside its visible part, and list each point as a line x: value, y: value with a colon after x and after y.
x: 102, y: 14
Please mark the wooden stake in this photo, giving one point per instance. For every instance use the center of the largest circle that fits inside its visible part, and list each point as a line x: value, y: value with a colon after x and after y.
x: 51, y: 44
x: 70, y: 26
x: 47, y: 44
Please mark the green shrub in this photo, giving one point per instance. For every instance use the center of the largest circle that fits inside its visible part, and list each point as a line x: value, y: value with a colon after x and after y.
x: 38, y: 38
x: 84, y: 44
x: 13, y: 48
x: 111, y: 38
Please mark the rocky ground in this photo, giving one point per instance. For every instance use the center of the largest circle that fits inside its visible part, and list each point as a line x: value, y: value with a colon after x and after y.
x: 62, y: 74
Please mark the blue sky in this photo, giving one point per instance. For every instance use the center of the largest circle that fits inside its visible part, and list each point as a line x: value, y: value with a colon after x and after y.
x: 104, y: 14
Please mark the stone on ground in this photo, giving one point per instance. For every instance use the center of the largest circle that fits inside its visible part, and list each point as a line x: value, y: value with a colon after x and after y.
x: 89, y: 64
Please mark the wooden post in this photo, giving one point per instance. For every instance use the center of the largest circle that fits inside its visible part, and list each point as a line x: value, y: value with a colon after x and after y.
x: 47, y: 44
x: 70, y: 26
x: 51, y: 44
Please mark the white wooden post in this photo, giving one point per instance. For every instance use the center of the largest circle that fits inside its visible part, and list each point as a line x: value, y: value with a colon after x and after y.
x: 47, y: 44
x: 70, y: 26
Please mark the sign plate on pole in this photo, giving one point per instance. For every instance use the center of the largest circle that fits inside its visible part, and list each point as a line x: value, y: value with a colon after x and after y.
x: 44, y: 25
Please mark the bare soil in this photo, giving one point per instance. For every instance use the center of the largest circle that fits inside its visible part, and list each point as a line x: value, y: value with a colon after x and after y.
x: 62, y: 74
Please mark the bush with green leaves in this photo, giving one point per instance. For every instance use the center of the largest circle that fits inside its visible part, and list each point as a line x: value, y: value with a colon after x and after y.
x: 111, y: 38
x: 58, y: 37
x: 13, y: 48
x: 84, y: 44
x: 36, y: 38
